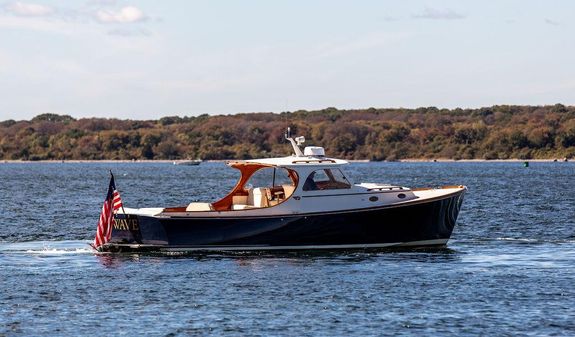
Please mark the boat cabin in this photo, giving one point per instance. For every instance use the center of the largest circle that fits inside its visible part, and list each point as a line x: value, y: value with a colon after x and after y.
x: 305, y: 182
x: 269, y: 182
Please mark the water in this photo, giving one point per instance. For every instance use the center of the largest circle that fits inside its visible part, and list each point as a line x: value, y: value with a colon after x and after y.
x: 508, y: 270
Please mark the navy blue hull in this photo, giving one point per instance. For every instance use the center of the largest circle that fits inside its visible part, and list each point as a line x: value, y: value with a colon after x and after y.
x: 425, y: 223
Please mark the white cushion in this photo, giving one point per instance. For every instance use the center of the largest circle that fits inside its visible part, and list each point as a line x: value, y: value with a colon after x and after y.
x: 239, y: 207
x: 259, y: 197
x: 199, y: 207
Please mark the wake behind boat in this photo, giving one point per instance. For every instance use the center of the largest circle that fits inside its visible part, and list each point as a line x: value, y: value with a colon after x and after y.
x: 304, y: 201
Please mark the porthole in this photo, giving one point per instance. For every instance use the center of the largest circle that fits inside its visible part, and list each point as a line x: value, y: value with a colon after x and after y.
x: 374, y: 198
x: 401, y: 196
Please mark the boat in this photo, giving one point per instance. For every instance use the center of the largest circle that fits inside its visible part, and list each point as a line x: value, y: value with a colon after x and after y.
x: 192, y: 162
x: 300, y: 202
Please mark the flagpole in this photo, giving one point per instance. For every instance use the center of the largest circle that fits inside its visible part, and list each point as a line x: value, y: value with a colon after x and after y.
x: 123, y: 210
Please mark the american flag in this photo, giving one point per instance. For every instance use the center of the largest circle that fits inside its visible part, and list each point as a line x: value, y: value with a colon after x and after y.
x: 112, y: 203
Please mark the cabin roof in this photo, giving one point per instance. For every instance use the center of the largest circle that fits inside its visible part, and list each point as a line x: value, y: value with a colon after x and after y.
x: 293, y: 161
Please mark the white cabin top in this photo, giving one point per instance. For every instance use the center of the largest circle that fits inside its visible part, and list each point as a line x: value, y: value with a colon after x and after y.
x: 293, y: 161
x: 312, y: 156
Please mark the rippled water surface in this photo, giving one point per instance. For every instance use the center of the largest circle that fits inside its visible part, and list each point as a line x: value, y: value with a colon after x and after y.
x: 509, y: 268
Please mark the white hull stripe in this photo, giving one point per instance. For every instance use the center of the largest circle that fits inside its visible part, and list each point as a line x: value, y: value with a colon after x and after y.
x: 435, y: 242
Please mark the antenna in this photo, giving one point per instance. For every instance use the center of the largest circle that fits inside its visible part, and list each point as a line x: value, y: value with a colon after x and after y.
x: 295, y: 143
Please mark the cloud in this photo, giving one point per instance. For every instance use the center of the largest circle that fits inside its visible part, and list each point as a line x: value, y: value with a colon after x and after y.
x: 439, y: 14
x: 552, y: 23
x: 70, y: 21
x: 28, y: 9
x: 128, y: 14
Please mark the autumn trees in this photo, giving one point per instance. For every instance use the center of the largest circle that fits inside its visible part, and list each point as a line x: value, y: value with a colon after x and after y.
x: 498, y: 132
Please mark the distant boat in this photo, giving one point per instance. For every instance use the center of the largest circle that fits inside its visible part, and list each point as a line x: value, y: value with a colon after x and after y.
x: 188, y: 162
x: 302, y: 201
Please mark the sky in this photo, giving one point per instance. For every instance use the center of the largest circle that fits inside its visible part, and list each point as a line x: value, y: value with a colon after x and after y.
x: 147, y: 59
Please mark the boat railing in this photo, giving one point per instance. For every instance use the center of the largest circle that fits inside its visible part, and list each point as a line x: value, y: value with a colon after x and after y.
x: 309, y: 161
x: 390, y: 188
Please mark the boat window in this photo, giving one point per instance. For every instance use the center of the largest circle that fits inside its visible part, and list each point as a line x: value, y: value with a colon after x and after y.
x: 326, y: 179
x: 268, y: 177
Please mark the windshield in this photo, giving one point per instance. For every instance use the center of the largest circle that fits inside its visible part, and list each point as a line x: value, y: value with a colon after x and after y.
x: 326, y: 179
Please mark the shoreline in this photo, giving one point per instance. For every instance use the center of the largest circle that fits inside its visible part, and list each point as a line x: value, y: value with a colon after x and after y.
x: 167, y: 161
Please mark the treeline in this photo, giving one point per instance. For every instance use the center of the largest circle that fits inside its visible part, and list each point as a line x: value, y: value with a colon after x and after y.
x: 498, y: 132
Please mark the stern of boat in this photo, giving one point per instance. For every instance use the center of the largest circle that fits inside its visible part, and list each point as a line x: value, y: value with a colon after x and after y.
x: 133, y: 229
